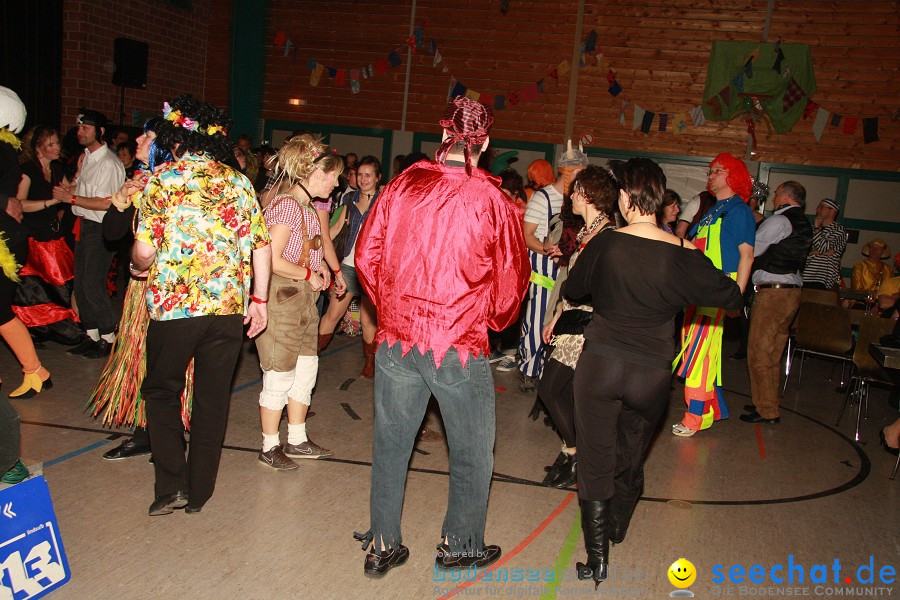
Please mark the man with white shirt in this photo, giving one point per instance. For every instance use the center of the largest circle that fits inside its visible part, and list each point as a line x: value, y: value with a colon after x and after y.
x: 101, y: 175
x: 782, y: 243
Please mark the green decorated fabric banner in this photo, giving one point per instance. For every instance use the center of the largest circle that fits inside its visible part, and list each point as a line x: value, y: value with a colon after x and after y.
x: 746, y: 76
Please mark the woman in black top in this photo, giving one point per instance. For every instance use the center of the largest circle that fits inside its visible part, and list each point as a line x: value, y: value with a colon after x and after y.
x: 636, y: 278
x: 44, y: 298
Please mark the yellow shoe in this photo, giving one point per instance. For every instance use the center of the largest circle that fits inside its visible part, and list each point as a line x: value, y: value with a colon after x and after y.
x: 31, y: 386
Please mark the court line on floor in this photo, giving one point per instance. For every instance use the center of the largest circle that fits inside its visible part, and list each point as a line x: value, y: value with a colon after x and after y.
x: 564, y: 557
x: 522, y: 545
x: 760, y: 443
x: 861, y: 475
x: 75, y: 453
x: 258, y: 380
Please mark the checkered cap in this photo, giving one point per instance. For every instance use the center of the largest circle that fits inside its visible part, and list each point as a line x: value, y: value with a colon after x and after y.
x: 467, y: 121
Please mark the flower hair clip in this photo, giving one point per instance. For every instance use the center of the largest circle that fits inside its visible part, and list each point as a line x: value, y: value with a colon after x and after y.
x: 176, y: 118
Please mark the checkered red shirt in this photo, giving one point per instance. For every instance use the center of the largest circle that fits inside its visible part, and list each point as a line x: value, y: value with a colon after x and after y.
x: 285, y: 210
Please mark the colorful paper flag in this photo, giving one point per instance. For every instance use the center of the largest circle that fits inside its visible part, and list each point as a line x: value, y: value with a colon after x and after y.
x: 458, y: 89
x: 679, y: 123
x: 647, y: 121
x: 663, y: 121
x: 638, y: 117
x: 835, y: 120
x: 590, y: 44
x: 472, y: 94
x: 280, y: 38
x: 563, y: 67
x: 316, y: 75
x: 311, y: 64
x: 697, y: 116
x: 381, y: 66
x: 748, y: 68
x: 394, y: 58
x: 500, y: 102
x: 340, y: 79
x: 870, y: 130
x: 738, y: 82
x: 287, y: 47
x: 792, y: 95
x: 354, y: 81
x: 850, y: 124
x: 487, y: 99
x: 779, y: 57
x: 513, y: 98
x: 437, y: 58
x: 529, y: 93
x: 819, y: 125
x: 332, y: 72
x: 615, y: 89
x: 811, y: 108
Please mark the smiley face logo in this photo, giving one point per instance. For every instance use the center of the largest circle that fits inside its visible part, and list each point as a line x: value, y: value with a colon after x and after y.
x: 682, y: 573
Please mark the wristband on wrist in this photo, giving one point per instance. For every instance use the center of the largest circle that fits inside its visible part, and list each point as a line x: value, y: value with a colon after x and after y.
x: 73, y: 198
x: 257, y: 300
x: 336, y: 271
x: 308, y: 274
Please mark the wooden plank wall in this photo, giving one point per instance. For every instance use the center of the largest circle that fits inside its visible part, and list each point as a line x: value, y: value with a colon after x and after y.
x: 659, y: 50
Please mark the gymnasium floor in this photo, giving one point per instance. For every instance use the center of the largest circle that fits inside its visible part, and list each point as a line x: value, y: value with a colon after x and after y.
x: 797, y: 493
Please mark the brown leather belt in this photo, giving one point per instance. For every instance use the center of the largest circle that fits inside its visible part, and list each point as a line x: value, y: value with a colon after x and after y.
x: 776, y: 286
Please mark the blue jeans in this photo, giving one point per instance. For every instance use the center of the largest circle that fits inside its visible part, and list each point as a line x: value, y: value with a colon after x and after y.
x: 403, y: 385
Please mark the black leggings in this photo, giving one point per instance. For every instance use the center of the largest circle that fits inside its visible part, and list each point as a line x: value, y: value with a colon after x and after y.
x: 618, y: 404
x: 557, y: 393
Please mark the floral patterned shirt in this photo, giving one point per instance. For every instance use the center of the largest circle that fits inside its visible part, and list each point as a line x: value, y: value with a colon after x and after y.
x: 204, y: 221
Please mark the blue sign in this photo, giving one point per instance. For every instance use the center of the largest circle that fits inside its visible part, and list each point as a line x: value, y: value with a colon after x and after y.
x: 32, y: 559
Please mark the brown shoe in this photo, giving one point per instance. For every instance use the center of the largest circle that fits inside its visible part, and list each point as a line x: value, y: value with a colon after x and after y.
x: 307, y: 449
x: 277, y: 459
x: 324, y: 338
x: 369, y: 350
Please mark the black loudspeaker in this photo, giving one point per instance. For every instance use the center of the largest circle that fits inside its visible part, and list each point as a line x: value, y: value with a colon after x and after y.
x: 130, y: 57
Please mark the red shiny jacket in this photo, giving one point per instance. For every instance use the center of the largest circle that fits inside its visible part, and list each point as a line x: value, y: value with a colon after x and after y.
x: 443, y: 258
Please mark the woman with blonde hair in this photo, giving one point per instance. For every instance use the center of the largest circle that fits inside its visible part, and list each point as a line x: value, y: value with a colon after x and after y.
x: 306, y: 169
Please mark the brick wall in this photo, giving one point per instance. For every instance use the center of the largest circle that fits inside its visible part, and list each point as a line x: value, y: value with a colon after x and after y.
x: 659, y: 50
x: 178, y: 41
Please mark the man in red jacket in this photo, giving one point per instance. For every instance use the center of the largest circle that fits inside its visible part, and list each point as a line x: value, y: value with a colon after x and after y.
x: 443, y: 258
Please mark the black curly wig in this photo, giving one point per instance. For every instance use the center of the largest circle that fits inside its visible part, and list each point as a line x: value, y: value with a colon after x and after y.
x: 170, y: 135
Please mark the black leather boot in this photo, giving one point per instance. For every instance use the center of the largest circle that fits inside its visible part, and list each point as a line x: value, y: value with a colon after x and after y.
x: 594, y: 526
x: 620, y: 515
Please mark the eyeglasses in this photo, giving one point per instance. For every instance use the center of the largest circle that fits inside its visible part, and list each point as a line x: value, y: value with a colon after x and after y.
x: 712, y: 172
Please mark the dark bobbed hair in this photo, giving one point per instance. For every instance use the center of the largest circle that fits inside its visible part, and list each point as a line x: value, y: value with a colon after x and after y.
x: 643, y: 180
x: 39, y: 135
x: 369, y: 160
x: 599, y: 187
x: 194, y: 142
x: 129, y: 145
x: 512, y: 181
x: 669, y: 198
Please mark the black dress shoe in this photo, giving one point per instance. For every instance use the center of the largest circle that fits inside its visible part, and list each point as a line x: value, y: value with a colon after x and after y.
x: 751, y: 408
x: 378, y: 564
x: 127, y: 449
x: 101, y: 349
x: 165, y: 504
x: 189, y: 510
x: 755, y: 417
x: 84, y: 346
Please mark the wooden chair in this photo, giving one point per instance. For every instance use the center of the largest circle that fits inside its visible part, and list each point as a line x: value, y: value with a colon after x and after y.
x: 822, y: 330
x: 866, y: 369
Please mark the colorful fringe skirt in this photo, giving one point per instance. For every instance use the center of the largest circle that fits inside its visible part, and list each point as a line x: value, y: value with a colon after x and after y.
x: 701, y: 367
x: 117, y: 394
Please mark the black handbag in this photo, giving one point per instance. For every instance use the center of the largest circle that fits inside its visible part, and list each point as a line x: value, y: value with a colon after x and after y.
x: 572, y: 322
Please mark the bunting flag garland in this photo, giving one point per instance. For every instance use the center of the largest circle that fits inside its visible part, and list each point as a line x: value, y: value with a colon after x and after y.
x: 870, y: 130
x: 718, y: 107
x: 819, y: 125
x: 638, y: 117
